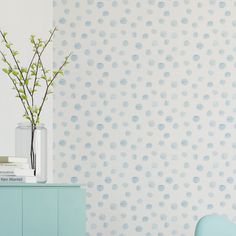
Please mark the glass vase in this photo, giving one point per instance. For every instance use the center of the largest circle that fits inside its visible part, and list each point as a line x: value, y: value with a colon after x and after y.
x: 31, y: 142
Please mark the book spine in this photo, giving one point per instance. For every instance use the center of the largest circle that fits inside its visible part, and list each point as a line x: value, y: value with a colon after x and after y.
x: 16, y: 172
x: 17, y: 179
x: 14, y: 168
x: 9, y: 159
x: 2, y: 172
x: 12, y: 179
x: 11, y: 164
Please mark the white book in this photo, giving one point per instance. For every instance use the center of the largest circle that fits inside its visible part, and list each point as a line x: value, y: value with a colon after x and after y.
x: 7, y: 159
x: 10, y: 168
x: 12, y: 164
x: 17, y: 172
x: 17, y: 179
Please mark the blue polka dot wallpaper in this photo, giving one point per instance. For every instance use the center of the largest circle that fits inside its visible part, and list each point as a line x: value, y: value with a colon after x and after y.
x: 144, y: 117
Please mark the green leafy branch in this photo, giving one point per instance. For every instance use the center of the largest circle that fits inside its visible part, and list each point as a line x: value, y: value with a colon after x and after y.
x: 27, y: 79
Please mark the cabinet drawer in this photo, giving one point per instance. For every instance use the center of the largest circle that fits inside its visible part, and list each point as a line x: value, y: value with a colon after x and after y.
x: 71, y: 212
x: 39, y: 211
x: 11, y: 211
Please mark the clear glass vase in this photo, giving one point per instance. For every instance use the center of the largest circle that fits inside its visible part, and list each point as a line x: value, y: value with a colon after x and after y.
x: 31, y: 142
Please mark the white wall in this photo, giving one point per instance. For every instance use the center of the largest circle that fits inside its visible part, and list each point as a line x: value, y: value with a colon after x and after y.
x: 21, y: 19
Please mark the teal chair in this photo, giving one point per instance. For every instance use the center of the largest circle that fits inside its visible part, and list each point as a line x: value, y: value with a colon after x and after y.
x: 215, y: 225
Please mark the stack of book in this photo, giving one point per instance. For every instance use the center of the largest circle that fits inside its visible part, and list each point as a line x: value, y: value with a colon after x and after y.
x: 15, y: 170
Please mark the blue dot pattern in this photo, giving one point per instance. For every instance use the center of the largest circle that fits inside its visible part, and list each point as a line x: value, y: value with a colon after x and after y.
x: 145, y: 114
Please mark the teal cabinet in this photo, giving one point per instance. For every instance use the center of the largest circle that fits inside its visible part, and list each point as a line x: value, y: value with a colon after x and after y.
x: 69, y: 205
x: 40, y: 209
x: 36, y: 210
x: 10, y: 211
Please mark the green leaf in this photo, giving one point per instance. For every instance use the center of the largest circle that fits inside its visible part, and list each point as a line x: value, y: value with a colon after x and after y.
x: 24, y: 97
x: 5, y: 70
x: 32, y: 38
x: 24, y: 70
x: 55, y: 72
x: 60, y: 72
x: 49, y: 79
x: 33, y: 66
x: 8, y: 45
x: 26, y: 82
x: 14, y: 72
x: 27, y: 117
x: 37, y: 121
x: 14, y: 53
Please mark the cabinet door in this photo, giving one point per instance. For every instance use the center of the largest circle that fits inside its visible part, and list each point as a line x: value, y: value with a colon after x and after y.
x: 39, y: 211
x: 10, y: 211
x: 71, y: 212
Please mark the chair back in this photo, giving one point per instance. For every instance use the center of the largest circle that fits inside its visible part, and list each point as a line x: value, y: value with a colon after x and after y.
x: 215, y: 225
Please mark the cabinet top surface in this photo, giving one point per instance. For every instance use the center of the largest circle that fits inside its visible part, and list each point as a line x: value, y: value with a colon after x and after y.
x: 39, y: 185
